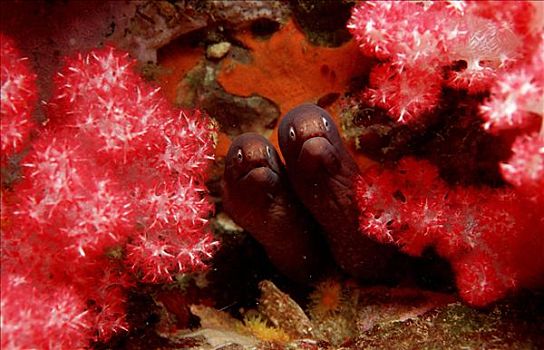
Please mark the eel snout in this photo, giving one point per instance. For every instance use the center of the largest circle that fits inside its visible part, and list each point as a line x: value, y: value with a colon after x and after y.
x: 318, y: 153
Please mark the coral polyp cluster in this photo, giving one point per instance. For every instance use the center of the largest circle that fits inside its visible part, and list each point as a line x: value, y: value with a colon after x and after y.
x: 461, y: 85
x: 492, y: 238
x: 18, y: 98
x: 111, y: 192
x: 516, y: 104
x: 58, y: 318
x: 407, y: 95
x: 462, y: 45
x: 525, y: 169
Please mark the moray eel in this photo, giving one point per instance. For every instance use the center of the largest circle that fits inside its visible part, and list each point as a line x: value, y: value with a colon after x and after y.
x: 257, y: 196
x: 322, y: 173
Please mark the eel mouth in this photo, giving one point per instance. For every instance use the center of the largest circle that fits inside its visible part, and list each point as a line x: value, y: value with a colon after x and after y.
x: 318, y: 154
x: 314, y: 147
x: 261, y: 174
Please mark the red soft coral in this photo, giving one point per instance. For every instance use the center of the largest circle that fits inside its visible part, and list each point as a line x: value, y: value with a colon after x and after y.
x: 525, y: 169
x: 18, y: 98
x: 517, y: 103
x: 187, y: 148
x: 405, y: 32
x: 433, y: 44
x: 103, y: 282
x: 516, y: 98
x: 507, y: 252
x: 63, y: 195
x: 35, y: 317
x: 524, y: 18
x: 411, y: 212
x: 407, y: 95
x: 486, y: 49
x: 174, y: 215
x: 101, y: 96
x: 491, y: 239
x: 120, y: 118
x: 112, y: 189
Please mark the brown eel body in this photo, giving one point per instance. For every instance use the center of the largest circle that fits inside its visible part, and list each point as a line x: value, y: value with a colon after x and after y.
x: 322, y: 173
x: 258, y: 197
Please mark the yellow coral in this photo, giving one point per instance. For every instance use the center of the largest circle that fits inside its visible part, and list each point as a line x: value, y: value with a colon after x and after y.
x: 326, y: 298
x: 258, y: 327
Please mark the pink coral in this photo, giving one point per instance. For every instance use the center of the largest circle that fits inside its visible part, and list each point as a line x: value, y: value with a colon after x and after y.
x: 63, y: 194
x: 525, y: 169
x: 461, y: 45
x: 405, y: 95
x: 84, y: 99
x: 34, y: 317
x: 491, y: 236
x: 517, y: 103
x: 18, y: 98
x: 405, y: 32
x: 411, y: 212
x: 168, y: 149
x: 523, y: 17
x: 492, y: 240
x: 516, y: 96
x: 103, y: 282
x: 173, y: 240
x: 486, y: 49
x: 112, y: 189
x: 181, y: 155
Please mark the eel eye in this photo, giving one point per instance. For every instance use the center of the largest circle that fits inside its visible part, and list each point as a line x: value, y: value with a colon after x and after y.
x: 292, y: 134
x: 326, y: 123
x: 239, y: 156
x: 268, y: 152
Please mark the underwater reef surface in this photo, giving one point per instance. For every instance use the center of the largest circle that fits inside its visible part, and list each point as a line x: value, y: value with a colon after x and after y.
x: 444, y: 119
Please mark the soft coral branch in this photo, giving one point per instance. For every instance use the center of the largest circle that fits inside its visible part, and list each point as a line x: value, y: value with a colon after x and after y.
x: 435, y: 44
x: 111, y: 190
x: 525, y: 169
x: 490, y: 237
x: 517, y: 96
x: 36, y: 317
x: 406, y: 95
x: 101, y: 96
x: 407, y: 33
x: 18, y: 97
x: 62, y: 195
x: 124, y: 119
x: 173, y: 240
